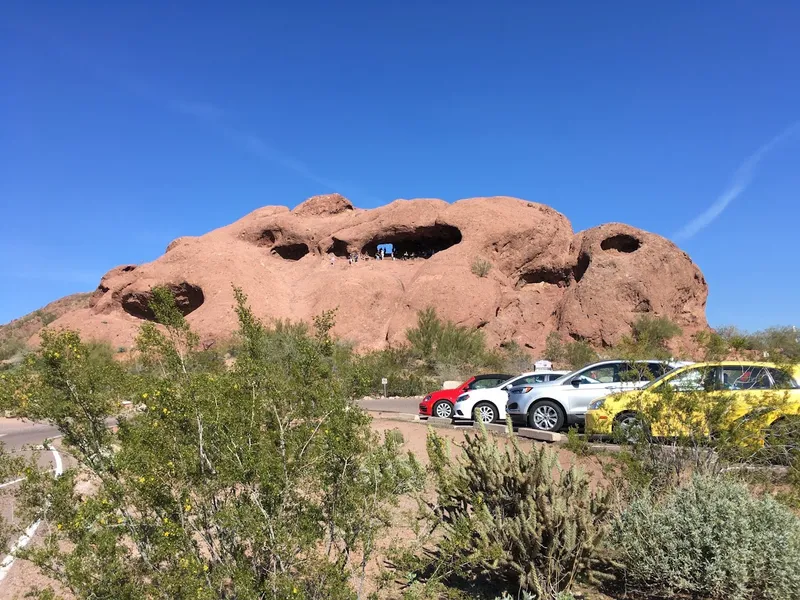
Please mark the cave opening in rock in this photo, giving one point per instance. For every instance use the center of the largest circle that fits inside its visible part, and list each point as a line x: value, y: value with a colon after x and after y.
x: 416, y: 242
x: 579, y: 270
x: 291, y: 251
x: 339, y: 248
x: 188, y: 298
x: 549, y: 275
x: 621, y: 243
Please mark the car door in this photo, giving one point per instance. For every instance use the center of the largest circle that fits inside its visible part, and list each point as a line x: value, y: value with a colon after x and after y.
x: 684, y: 404
x: 590, y: 384
x: 743, y: 393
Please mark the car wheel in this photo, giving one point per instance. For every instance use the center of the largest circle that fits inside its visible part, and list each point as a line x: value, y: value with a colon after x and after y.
x: 630, y: 427
x: 547, y: 416
x: 485, y: 412
x: 443, y: 409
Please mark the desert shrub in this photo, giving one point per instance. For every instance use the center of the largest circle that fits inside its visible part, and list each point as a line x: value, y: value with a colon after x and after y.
x: 443, y: 342
x: 781, y: 344
x: 649, y: 338
x: 710, y: 539
x: 514, y: 516
x: 579, y: 353
x: 10, y: 348
x: 554, y: 349
x: 260, y: 481
x: 481, y: 267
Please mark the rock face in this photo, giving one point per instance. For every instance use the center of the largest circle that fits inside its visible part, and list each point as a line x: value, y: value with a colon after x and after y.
x: 293, y: 264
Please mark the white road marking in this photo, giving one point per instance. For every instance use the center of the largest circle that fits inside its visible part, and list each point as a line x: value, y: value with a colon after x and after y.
x: 8, y: 483
x: 26, y: 537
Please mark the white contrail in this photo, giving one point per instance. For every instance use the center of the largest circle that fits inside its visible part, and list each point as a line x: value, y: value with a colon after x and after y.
x: 741, y: 180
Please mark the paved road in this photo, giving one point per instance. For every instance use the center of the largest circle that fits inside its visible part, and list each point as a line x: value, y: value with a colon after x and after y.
x: 16, y: 434
x: 399, y: 405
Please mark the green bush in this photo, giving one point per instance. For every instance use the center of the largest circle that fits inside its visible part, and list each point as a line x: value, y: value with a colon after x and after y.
x: 443, y: 342
x: 481, y: 267
x: 260, y: 481
x: 514, y: 516
x: 710, y: 539
x: 579, y: 353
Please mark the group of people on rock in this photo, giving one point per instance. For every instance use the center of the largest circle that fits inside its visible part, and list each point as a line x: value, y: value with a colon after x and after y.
x: 384, y: 252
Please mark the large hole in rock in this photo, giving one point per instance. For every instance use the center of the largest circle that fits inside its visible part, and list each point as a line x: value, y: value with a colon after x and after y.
x: 562, y: 277
x: 420, y: 242
x: 559, y: 277
x: 188, y: 298
x: 579, y: 270
x: 291, y: 251
x: 339, y: 248
x: 621, y: 243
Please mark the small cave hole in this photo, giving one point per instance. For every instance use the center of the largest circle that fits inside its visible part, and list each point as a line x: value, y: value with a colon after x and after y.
x: 266, y: 238
x: 339, y: 248
x: 188, y: 298
x: 621, y: 243
x: 418, y: 242
x: 128, y: 268
x: 291, y: 251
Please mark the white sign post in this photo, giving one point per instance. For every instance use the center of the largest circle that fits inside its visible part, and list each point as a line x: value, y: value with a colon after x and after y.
x: 385, y: 382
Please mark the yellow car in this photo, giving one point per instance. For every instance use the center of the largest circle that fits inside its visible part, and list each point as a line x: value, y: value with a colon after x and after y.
x: 702, y: 398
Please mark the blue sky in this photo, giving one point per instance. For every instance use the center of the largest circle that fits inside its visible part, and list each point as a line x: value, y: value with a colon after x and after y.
x: 125, y: 125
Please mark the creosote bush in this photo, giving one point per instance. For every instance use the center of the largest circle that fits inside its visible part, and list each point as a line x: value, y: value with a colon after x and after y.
x: 512, y: 515
x: 481, y: 267
x: 710, y: 539
x: 260, y: 481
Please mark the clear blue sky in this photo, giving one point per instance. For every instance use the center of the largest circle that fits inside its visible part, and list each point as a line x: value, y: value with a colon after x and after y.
x: 125, y: 125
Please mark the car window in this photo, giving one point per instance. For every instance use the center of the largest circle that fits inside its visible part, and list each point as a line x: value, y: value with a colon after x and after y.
x: 745, y: 377
x: 482, y: 384
x: 600, y: 374
x: 658, y: 369
x: 640, y: 371
x: 693, y: 380
x: 530, y: 379
x: 782, y: 380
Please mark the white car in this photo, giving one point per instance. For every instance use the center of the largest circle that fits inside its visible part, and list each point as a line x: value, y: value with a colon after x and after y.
x: 564, y: 402
x: 489, y: 404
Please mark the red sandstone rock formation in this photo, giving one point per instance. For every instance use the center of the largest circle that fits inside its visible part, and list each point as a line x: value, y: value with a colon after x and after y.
x: 590, y: 285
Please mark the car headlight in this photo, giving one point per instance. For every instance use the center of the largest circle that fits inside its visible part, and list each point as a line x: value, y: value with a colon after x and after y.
x: 462, y: 397
x: 597, y: 404
x: 427, y: 398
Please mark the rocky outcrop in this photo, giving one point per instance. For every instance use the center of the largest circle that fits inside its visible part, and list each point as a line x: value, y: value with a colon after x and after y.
x: 591, y: 285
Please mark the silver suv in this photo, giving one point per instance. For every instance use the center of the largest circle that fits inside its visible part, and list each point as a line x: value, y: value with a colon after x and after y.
x: 564, y: 402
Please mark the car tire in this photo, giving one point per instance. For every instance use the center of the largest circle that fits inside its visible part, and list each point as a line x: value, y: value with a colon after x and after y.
x: 547, y: 415
x: 630, y: 427
x: 443, y: 409
x: 486, y: 412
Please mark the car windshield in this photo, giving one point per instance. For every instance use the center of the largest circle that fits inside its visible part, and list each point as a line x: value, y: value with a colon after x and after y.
x: 658, y: 380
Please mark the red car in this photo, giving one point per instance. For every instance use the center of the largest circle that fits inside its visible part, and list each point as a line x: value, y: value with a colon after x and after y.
x: 440, y: 403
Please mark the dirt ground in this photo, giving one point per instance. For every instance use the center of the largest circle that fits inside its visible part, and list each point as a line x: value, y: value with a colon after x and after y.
x: 23, y: 575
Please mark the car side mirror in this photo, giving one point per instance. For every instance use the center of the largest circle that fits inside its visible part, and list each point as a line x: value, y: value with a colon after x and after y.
x: 507, y: 387
x: 465, y: 388
x: 576, y: 383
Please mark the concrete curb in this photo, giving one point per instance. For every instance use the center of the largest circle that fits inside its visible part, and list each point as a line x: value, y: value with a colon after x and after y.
x: 541, y: 436
x: 494, y: 428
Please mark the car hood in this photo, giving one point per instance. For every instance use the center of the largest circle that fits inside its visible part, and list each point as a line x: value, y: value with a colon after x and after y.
x: 445, y: 394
